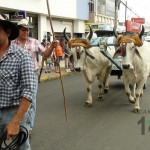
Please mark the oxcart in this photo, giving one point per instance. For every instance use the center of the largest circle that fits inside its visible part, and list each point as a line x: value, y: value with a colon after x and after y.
x: 104, y: 42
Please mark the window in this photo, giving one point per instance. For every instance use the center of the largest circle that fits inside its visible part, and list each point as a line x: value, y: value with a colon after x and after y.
x: 101, y: 7
x: 91, y: 6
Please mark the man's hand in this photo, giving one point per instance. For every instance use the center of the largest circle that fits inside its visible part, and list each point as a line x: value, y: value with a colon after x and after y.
x: 12, y: 129
x: 50, y: 49
x: 54, y: 44
x: 14, y: 126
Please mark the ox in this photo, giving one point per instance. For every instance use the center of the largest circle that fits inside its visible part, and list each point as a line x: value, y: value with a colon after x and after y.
x: 92, y: 63
x: 135, y: 64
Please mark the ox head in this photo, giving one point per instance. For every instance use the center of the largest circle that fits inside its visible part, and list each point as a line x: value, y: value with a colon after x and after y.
x: 128, y: 51
x: 128, y: 48
x: 136, y: 38
x: 80, y: 49
x: 84, y: 42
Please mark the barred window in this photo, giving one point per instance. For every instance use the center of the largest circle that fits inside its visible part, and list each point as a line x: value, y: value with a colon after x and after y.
x: 91, y: 6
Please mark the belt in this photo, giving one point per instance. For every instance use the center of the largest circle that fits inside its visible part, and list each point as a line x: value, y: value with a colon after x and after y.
x: 7, y: 108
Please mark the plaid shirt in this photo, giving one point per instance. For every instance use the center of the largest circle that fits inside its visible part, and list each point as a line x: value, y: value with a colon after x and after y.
x: 17, y: 77
x: 33, y: 46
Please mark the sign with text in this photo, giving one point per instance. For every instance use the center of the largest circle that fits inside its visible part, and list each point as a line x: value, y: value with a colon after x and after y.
x: 132, y: 26
x: 138, y: 20
x: 16, y: 16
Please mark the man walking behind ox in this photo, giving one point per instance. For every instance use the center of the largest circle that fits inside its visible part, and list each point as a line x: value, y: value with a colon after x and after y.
x: 33, y: 46
x: 16, y: 83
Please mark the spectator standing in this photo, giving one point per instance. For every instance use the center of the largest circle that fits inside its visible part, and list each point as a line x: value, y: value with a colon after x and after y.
x: 33, y: 47
x: 43, y: 42
x: 16, y: 83
x: 67, y: 52
x: 58, y: 53
x: 49, y: 60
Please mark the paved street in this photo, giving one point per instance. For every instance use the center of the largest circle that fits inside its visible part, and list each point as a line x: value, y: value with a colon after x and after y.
x: 53, y: 75
x: 85, y: 29
x: 108, y: 125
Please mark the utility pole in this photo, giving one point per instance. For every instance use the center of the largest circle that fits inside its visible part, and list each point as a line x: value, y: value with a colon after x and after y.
x: 116, y: 14
x: 125, y: 15
x: 125, y: 12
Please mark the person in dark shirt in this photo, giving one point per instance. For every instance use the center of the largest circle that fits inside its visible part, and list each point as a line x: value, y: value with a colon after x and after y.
x: 67, y: 52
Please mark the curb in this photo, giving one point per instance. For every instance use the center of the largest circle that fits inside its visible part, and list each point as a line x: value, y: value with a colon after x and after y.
x: 54, y: 76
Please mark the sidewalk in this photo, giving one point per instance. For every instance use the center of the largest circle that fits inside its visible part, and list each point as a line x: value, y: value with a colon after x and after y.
x: 53, y: 75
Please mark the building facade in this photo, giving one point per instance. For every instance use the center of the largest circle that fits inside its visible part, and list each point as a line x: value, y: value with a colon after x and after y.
x: 102, y: 11
x: 70, y: 14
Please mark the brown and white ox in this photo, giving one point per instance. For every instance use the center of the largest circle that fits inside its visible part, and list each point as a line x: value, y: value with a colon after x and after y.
x: 92, y: 63
x: 135, y: 64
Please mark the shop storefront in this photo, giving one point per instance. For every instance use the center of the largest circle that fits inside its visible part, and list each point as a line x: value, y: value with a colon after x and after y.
x: 15, y: 16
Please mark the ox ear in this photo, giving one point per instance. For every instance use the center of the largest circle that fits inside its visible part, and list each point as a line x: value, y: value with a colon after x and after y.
x: 117, y: 53
x: 137, y: 53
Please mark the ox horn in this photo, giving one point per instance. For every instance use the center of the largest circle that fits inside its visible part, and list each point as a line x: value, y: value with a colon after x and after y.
x: 142, y: 32
x: 115, y: 32
x: 90, y: 34
x: 65, y: 35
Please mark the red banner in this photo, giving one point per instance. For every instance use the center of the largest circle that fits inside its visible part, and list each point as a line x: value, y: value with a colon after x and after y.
x: 132, y: 26
x: 138, y: 20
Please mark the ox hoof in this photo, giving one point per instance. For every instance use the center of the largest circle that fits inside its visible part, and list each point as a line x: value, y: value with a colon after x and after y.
x: 136, y: 110
x: 88, y: 104
x: 105, y: 90
x: 131, y: 101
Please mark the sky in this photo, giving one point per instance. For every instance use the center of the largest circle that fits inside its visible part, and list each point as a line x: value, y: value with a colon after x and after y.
x: 139, y: 7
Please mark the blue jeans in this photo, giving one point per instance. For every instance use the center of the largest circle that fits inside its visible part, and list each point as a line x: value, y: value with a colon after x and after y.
x: 32, y: 109
x: 5, y: 118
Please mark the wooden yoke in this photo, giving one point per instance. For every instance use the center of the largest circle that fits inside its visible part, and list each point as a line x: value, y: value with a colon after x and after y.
x: 79, y: 42
x: 128, y: 39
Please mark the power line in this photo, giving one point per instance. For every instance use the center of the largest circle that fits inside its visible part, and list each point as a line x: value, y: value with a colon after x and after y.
x: 129, y: 8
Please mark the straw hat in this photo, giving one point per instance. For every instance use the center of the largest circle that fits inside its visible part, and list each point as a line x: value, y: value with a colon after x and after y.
x: 24, y: 23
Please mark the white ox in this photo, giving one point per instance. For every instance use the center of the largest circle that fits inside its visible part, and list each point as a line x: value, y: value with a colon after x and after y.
x: 135, y: 65
x: 93, y: 64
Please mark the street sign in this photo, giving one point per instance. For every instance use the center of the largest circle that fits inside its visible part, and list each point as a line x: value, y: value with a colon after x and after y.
x: 17, y: 16
x: 133, y: 26
x: 138, y: 20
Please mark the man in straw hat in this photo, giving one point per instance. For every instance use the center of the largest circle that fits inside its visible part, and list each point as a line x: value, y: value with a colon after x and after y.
x: 34, y: 47
x: 16, y: 83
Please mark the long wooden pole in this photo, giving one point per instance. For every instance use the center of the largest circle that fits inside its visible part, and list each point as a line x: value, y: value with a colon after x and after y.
x: 50, y: 19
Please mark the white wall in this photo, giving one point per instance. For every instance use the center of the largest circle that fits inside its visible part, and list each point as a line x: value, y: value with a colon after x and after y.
x: 79, y: 26
x: 60, y: 25
x: 42, y: 26
x: 61, y: 8
x: 82, y: 9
